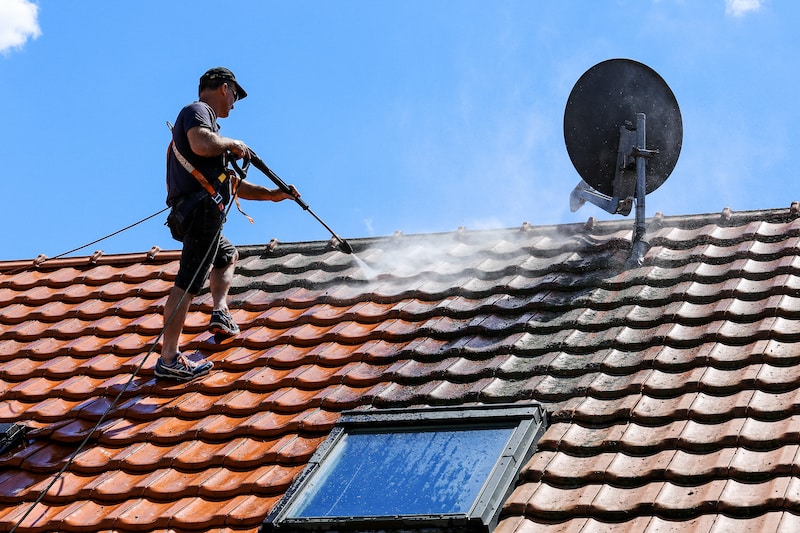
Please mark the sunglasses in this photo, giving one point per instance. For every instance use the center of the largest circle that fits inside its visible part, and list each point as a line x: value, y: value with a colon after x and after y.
x: 232, y: 89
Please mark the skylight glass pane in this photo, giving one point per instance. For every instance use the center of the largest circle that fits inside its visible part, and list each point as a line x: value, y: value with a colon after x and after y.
x: 403, y: 473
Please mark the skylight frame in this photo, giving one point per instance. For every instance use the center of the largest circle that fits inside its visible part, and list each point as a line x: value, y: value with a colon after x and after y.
x: 527, y: 422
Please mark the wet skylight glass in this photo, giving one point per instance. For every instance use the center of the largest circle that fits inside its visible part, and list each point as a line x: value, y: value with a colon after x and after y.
x: 409, y: 472
x: 426, y: 466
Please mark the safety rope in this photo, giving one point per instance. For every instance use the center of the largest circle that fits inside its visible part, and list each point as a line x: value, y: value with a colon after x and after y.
x: 126, y: 228
x: 167, y: 322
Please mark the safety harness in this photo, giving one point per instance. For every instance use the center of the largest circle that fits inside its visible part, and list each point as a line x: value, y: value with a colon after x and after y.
x: 201, y: 179
x: 209, y: 188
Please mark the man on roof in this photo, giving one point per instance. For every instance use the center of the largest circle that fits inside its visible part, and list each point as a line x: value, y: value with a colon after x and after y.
x: 199, y: 188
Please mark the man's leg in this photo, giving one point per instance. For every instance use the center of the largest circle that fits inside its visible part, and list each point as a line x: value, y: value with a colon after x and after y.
x: 175, y: 311
x: 220, y: 283
x: 172, y: 364
x: 198, y: 243
x: 220, y: 280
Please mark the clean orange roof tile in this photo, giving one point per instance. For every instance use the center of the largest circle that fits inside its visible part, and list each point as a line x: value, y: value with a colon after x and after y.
x: 193, y: 455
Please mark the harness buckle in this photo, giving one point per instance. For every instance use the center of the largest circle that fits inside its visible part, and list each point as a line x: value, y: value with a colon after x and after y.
x: 217, y: 199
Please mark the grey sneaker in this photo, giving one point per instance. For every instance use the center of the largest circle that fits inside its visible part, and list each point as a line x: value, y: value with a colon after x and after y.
x: 222, y: 324
x: 183, y: 368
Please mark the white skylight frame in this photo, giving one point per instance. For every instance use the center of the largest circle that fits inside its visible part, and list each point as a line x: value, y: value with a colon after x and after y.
x: 527, y: 422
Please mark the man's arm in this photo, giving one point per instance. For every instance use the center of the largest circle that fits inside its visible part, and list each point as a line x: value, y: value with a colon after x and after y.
x: 206, y: 143
x: 254, y: 191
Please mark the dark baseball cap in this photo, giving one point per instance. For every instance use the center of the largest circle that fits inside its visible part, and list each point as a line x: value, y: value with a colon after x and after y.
x: 223, y: 74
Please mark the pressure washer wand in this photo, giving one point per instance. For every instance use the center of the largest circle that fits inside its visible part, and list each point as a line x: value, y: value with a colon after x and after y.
x: 260, y: 165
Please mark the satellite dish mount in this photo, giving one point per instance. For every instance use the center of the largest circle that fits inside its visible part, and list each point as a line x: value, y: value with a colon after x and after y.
x: 628, y: 187
x: 610, y: 151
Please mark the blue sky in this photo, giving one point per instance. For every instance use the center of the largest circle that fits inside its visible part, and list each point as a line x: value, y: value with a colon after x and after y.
x: 418, y: 116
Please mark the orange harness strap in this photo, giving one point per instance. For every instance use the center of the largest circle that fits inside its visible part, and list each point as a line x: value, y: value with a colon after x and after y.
x: 217, y: 197
x: 235, y: 187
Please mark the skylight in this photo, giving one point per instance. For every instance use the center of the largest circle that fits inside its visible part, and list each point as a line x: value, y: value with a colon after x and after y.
x: 407, y: 468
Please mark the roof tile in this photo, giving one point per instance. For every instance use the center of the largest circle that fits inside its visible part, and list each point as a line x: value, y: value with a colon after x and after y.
x: 688, y: 469
x: 733, y: 356
x: 633, y: 470
x: 700, y: 438
x: 657, y: 410
x: 766, y: 406
x: 113, y: 486
x: 344, y: 397
x: 292, y: 400
x: 675, y: 501
x: 616, y: 502
x: 550, y: 503
x: 773, y: 378
x: 661, y: 384
x: 761, y: 465
x: 709, y: 408
x: 568, y: 470
x: 244, y: 511
x: 449, y: 393
x: 747, y: 499
x: 90, y: 515
x: 497, y: 390
x: 610, y: 386
x: 719, y: 381
x: 189, y: 455
x: 646, y: 439
x: 287, y: 356
x: 169, y: 483
x: 761, y: 434
x: 146, y: 514
x: 781, y: 522
x: 39, y: 516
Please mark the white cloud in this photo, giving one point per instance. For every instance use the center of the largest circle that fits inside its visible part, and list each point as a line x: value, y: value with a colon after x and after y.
x: 739, y: 8
x: 18, y: 23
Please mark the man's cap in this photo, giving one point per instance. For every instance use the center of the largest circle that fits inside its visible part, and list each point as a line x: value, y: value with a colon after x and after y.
x: 221, y: 73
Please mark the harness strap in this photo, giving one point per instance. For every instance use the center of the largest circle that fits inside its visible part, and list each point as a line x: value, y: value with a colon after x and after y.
x: 217, y: 197
x: 235, y: 180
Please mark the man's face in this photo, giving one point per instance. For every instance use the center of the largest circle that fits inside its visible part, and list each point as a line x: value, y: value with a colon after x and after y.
x: 230, y: 96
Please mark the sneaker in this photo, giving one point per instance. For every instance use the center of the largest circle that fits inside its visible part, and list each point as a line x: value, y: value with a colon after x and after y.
x: 222, y: 324
x: 183, y: 368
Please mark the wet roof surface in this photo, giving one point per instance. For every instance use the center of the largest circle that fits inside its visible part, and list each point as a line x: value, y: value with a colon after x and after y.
x: 671, y: 389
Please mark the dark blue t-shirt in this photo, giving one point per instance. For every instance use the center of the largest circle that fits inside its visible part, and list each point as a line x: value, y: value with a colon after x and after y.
x: 179, y: 181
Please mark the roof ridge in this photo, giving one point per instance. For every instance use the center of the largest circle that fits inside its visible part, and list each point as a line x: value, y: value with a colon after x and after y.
x: 727, y: 216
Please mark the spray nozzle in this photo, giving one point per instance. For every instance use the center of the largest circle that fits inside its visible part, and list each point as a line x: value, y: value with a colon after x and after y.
x: 341, y: 244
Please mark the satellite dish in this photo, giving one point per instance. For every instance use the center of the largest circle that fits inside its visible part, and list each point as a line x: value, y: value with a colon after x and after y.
x: 623, y: 132
x: 603, y: 99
